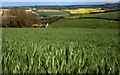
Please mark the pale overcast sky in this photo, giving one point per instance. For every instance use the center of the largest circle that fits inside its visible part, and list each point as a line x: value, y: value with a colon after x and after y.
x: 60, y: 0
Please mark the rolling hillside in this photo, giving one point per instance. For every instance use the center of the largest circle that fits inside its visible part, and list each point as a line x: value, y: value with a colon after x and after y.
x: 85, y: 23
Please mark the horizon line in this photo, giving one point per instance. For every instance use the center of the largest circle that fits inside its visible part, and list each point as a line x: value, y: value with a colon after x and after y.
x: 54, y: 1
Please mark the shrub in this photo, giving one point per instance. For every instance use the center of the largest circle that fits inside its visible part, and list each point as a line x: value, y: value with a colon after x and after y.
x: 18, y: 17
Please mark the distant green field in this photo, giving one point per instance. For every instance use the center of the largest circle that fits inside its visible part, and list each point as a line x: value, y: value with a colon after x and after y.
x: 110, y: 15
x: 85, y: 23
x: 62, y: 50
x: 54, y: 13
x: 7, y: 7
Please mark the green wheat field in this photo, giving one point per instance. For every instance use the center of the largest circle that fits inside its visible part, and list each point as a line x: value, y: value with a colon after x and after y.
x: 60, y: 50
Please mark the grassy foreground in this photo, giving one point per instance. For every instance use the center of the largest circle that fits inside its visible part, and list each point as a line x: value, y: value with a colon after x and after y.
x: 67, y: 50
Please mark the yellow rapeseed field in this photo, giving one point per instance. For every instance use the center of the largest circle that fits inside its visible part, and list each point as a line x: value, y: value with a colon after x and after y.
x: 84, y: 11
